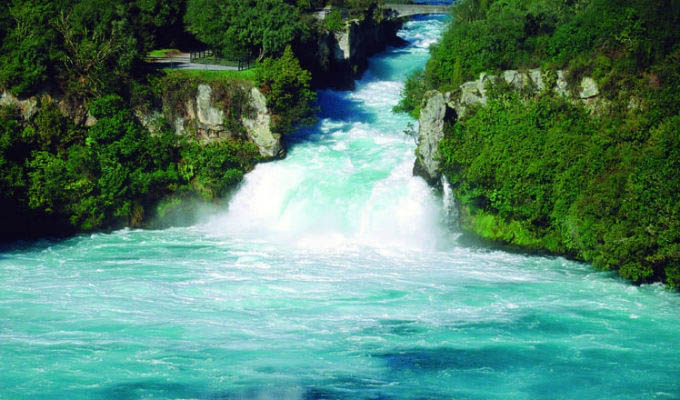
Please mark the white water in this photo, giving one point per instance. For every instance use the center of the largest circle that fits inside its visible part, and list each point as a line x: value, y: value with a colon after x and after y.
x: 347, y: 181
x: 331, y: 275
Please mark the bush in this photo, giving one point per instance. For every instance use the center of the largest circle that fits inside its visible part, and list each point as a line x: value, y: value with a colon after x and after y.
x: 214, y: 168
x: 412, y: 94
x: 543, y: 174
x: 286, y: 87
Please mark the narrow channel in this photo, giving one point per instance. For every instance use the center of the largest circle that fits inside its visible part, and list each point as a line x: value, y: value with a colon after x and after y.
x: 331, y: 274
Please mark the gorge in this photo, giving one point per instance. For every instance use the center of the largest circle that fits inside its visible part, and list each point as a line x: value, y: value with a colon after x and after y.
x: 331, y: 274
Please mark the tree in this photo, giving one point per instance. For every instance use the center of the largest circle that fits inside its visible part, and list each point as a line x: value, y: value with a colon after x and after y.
x: 99, y: 46
x: 286, y: 86
x: 157, y: 22
x: 253, y: 28
x: 28, y: 54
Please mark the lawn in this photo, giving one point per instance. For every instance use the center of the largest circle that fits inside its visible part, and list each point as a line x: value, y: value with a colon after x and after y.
x: 208, y: 76
x: 163, y: 52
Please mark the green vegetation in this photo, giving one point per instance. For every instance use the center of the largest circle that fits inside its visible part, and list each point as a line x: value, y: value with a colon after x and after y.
x: 88, y: 46
x: 162, y: 52
x: 58, y: 178
x: 257, y: 29
x: 540, y: 172
x: 244, y: 29
x: 286, y: 86
x: 84, y: 61
x: 246, y: 75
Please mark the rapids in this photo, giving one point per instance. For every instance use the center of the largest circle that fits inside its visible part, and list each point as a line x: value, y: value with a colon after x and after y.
x: 331, y: 274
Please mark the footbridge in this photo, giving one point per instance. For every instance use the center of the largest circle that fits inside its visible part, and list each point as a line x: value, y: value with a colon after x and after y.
x: 408, y: 10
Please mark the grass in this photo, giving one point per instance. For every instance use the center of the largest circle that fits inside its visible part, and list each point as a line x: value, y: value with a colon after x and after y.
x: 163, y: 52
x: 216, y: 61
x: 247, y: 75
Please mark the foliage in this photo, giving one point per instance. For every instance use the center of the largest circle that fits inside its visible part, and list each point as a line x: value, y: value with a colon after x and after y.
x: 86, y: 55
x: 69, y: 179
x: 28, y: 55
x: 216, y: 167
x: 542, y: 173
x: 158, y: 22
x: 82, y: 48
x: 286, y: 86
x: 334, y: 21
x: 617, y: 41
x: 247, y: 75
x: 412, y: 94
x: 360, y: 9
x: 99, y: 47
x: 244, y: 29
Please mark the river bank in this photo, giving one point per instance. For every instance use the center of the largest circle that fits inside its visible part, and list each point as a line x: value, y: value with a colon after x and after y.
x: 330, y: 274
x: 571, y: 151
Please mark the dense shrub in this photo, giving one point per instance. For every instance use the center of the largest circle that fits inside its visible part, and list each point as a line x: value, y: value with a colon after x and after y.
x: 541, y: 172
x: 286, y: 86
x: 56, y: 178
x: 493, y: 35
x: 244, y: 29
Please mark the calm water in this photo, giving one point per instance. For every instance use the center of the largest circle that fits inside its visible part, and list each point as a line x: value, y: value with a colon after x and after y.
x: 330, y: 275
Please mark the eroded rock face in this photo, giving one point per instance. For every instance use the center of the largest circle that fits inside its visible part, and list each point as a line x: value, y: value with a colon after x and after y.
x: 561, y: 86
x: 207, y: 115
x: 71, y: 108
x: 338, y: 58
x: 28, y: 107
x: 441, y: 108
x: 258, y: 127
x: 202, y: 118
x: 430, y: 132
x: 588, y: 88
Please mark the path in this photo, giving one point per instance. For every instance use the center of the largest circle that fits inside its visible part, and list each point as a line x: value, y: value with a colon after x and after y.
x: 183, y: 61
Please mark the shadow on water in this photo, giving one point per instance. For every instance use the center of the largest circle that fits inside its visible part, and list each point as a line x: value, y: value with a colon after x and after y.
x: 339, y: 106
x: 19, y: 246
x: 265, y: 391
x: 346, y: 387
x: 150, y: 389
x: 338, y: 388
x: 395, y: 327
x: 451, y: 358
x: 336, y: 106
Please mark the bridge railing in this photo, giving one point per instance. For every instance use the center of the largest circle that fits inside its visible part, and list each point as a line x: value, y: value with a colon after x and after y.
x: 209, y: 57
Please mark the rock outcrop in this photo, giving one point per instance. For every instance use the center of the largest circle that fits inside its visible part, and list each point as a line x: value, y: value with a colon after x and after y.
x: 430, y: 132
x: 258, y: 127
x: 202, y: 117
x: 71, y: 108
x: 28, y: 107
x: 336, y: 59
x: 441, y: 108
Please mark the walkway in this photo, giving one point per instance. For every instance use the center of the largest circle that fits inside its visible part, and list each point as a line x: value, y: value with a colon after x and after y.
x: 183, y: 61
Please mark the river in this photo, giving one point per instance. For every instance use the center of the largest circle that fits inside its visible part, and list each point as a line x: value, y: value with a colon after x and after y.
x: 332, y: 274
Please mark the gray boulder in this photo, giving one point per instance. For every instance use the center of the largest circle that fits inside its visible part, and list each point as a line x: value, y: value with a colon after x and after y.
x: 588, y: 88
x: 430, y: 132
x: 258, y: 127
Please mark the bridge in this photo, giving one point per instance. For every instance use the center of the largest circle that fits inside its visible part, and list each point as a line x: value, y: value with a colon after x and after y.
x: 408, y: 10
x: 396, y: 10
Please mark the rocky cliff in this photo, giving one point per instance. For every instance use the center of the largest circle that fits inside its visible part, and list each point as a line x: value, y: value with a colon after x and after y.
x: 441, y: 108
x: 74, y: 109
x: 336, y: 59
x: 201, y: 114
x: 213, y: 113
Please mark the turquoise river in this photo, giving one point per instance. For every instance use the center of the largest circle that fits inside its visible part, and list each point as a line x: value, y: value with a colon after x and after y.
x: 332, y: 274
